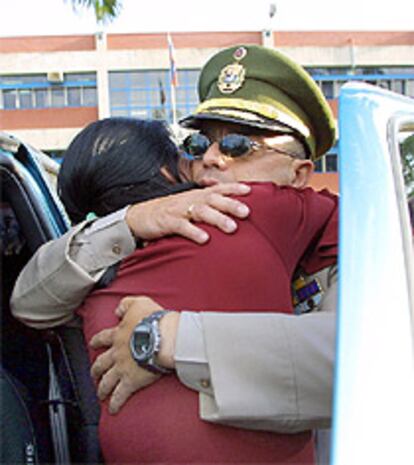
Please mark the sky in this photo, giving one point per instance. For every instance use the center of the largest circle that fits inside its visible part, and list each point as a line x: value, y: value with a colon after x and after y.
x: 56, y: 17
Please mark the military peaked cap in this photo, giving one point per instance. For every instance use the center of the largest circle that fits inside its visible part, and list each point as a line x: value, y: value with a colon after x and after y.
x: 263, y: 88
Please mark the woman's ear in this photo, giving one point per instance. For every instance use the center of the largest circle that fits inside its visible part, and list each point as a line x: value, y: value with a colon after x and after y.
x: 303, y: 170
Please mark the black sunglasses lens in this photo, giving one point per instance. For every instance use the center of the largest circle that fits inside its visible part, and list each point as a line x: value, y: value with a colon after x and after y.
x: 196, y: 145
x: 235, y: 145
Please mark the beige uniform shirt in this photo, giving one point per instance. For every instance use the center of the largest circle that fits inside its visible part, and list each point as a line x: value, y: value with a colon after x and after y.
x: 283, y: 385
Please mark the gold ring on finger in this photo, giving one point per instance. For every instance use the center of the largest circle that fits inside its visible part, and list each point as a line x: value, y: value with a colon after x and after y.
x: 189, y: 212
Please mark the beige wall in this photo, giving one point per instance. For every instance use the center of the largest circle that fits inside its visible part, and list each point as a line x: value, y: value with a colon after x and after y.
x: 26, y: 63
x: 46, y: 139
x: 102, y: 54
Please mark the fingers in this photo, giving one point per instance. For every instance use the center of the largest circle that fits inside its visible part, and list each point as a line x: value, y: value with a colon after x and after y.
x: 227, y: 188
x: 215, y: 209
x: 185, y: 228
x: 232, y: 188
x: 216, y: 212
x: 124, y: 306
x: 120, y: 395
x: 107, y: 383
x: 204, y: 213
x: 128, y: 385
x: 176, y: 214
x: 213, y: 217
x: 217, y: 198
x: 102, y: 364
x: 228, y: 205
x: 141, y: 306
x: 102, y: 339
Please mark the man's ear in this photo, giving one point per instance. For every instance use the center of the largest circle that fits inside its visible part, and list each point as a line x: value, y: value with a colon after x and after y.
x: 303, y: 170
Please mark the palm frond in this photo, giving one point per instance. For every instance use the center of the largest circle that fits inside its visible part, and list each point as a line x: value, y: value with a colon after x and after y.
x: 105, y: 10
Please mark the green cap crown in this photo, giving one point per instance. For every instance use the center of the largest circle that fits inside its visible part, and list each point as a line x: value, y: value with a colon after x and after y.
x: 263, y: 88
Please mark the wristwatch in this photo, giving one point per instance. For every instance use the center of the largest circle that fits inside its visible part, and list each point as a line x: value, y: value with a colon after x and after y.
x: 145, y: 343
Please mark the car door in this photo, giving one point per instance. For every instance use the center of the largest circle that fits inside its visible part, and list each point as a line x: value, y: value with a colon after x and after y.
x: 374, y: 380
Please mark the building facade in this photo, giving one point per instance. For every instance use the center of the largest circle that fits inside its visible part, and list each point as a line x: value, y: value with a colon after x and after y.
x: 52, y: 86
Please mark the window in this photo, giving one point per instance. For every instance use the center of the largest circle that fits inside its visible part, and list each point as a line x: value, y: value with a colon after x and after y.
x: 328, y: 163
x: 397, y: 79
x: 89, y: 97
x: 410, y: 88
x: 41, y: 98
x: 328, y: 89
x: 10, y: 99
x: 148, y: 93
x: 117, y: 80
x: 58, y: 97
x: 74, y: 97
x: 35, y: 91
x: 119, y: 98
x: 331, y: 162
x: 25, y: 98
x: 137, y: 97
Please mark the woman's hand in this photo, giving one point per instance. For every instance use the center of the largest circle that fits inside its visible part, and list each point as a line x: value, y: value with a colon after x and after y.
x: 176, y: 214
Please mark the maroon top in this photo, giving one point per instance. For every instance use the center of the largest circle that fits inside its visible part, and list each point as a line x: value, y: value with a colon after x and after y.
x: 246, y: 272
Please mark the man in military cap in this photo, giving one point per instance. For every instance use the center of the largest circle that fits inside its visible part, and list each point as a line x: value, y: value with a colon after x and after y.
x: 263, y: 89
x: 273, y: 110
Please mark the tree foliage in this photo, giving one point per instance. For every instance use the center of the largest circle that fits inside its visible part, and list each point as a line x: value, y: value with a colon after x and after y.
x: 407, y: 156
x: 105, y: 10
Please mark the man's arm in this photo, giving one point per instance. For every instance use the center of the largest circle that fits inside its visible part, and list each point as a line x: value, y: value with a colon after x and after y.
x: 257, y: 371
x: 265, y: 371
x: 62, y: 272
x: 281, y: 380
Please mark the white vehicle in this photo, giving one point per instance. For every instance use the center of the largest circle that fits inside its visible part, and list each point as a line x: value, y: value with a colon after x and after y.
x: 374, y: 390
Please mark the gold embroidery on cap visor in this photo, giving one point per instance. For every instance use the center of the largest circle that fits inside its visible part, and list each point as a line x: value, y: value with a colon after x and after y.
x: 231, y: 78
x: 252, y: 111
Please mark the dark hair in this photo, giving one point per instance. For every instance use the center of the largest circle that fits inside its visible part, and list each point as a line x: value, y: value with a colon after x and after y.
x: 114, y: 162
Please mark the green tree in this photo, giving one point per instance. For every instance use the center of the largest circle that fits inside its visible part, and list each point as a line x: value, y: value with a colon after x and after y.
x: 407, y: 156
x: 105, y: 10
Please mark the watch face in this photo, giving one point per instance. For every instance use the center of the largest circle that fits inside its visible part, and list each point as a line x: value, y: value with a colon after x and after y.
x: 143, y: 343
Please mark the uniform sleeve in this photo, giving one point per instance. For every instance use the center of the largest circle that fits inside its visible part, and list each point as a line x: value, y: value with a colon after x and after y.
x: 283, y: 385
x: 62, y: 272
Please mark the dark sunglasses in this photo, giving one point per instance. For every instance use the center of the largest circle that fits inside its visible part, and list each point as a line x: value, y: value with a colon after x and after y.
x: 232, y: 145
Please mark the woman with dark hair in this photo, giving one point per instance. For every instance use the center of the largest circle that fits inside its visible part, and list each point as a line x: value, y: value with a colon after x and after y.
x: 116, y: 162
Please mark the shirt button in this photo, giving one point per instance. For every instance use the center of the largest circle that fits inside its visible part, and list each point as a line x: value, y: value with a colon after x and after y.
x: 116, y: 249
x: 205, y: 383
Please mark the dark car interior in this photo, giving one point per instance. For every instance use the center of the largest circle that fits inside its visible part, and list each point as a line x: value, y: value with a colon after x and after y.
x: 49, y: 408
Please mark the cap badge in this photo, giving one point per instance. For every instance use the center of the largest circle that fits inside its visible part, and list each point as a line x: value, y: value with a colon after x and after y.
x: 232, y: 76
x: 240, y: 53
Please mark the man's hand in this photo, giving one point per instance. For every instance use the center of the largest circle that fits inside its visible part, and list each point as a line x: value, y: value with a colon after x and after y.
x: 115, y: 369
x: 176, y: 214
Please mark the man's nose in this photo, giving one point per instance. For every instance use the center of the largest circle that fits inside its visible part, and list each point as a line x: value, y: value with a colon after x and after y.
x: 214, y: 158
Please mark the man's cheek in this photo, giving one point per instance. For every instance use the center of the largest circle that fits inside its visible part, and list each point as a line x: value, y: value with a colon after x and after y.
x: 196, y: 171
